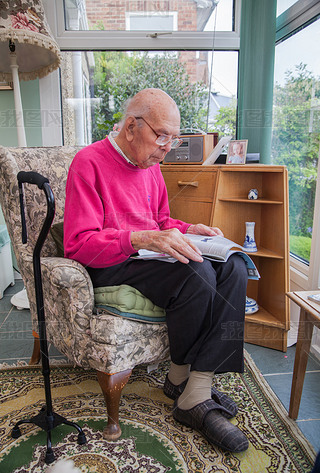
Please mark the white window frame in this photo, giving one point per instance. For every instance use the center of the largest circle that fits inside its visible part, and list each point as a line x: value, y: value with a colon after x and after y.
x: 93, y: 40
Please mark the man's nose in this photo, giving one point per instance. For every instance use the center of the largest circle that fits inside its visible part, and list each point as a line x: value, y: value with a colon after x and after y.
x: 167, y: 147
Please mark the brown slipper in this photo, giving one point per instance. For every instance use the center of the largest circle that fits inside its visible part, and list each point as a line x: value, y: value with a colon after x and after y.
x: 207, y: 419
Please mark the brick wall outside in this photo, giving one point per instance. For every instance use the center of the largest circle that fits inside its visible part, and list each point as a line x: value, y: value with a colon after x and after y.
x: 111, y: 16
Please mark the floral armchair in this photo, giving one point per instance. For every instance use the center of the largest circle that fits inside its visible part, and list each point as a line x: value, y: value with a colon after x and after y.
x: 111, y: 345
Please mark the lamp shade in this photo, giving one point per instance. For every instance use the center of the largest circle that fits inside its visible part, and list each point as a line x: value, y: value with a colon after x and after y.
x: 23, y: 24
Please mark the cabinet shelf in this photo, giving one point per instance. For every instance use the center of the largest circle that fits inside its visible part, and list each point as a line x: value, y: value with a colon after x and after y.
x: 249, y: 201
x: 264, y: 317
x: 265, y: 253
x: 220, y: 200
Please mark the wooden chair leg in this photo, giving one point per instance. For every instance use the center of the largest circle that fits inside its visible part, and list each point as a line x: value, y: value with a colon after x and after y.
x: 112, y: 385
x: 300, y: 362
x: 35, y: 357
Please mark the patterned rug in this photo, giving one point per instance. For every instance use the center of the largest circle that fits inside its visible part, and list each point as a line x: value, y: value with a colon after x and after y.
x: 152, y: 441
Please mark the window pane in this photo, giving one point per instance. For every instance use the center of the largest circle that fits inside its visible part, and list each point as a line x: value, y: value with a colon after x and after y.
x: 95, y: 85
x: 222, y: 17
x: 296, y: 129
x: 149, y: 15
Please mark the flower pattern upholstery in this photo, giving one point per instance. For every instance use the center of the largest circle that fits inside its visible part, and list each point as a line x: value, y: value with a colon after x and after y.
x: 101, y: 341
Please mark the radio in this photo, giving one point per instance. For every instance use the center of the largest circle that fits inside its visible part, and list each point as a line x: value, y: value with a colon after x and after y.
x: 194, y: 149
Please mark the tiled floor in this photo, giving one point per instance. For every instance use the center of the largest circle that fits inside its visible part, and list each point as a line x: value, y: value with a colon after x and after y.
x: 16, y: 331
x: 276, y: 367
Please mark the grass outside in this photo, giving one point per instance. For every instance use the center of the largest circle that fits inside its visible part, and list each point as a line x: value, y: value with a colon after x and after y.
x: 300, y: 246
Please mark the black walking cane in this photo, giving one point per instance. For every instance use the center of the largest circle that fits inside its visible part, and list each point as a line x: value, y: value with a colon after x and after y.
x: 46, y: 419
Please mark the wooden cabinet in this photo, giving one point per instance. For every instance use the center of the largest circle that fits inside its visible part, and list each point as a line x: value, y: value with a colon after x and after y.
x: 218, y: 195
x: 191, y: 191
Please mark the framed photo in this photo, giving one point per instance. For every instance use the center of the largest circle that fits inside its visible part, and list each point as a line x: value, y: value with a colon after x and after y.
x: 237, y: 152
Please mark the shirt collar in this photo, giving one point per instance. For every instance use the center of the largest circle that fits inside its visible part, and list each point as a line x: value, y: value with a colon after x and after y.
x: 111, y: 137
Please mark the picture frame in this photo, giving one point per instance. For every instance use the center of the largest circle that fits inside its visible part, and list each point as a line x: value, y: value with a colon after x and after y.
x: 237, y: 152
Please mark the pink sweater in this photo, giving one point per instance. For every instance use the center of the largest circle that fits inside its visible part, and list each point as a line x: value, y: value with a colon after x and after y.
x: 106, y: 199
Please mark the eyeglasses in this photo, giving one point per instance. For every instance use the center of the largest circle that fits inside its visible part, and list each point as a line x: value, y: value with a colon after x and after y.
x: 163, y: 140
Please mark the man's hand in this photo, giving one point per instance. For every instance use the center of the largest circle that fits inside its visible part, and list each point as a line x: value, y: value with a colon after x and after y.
x: 171, y: 241
x: 201, y: 229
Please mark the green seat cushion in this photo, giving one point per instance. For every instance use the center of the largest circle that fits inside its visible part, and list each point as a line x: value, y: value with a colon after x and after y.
x: 126, y: 301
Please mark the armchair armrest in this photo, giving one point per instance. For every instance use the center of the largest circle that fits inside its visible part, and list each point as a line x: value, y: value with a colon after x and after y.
x: 68, y: 272
x: 69, y: 301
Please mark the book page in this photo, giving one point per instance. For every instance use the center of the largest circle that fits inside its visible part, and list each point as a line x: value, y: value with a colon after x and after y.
x: 216, y: 246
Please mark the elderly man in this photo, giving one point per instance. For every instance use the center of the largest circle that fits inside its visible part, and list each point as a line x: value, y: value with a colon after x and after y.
x: 117, y: 204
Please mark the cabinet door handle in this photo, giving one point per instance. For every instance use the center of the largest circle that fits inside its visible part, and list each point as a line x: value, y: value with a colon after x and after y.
x: 188, y: 183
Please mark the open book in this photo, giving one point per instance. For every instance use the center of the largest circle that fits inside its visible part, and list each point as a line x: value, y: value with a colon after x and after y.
x: 214, y: 248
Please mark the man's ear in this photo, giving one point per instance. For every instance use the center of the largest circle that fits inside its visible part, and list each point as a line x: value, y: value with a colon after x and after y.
x: 130, y: 125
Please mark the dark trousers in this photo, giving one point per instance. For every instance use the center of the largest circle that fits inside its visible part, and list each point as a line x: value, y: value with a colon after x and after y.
x: 204, y: 303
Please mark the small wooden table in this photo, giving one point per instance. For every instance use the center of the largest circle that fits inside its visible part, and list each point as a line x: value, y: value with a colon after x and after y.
x: 309, y: 316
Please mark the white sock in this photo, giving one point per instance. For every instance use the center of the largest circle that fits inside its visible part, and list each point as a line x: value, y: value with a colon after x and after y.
x: 178, y: 373
x: 197, y: 390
